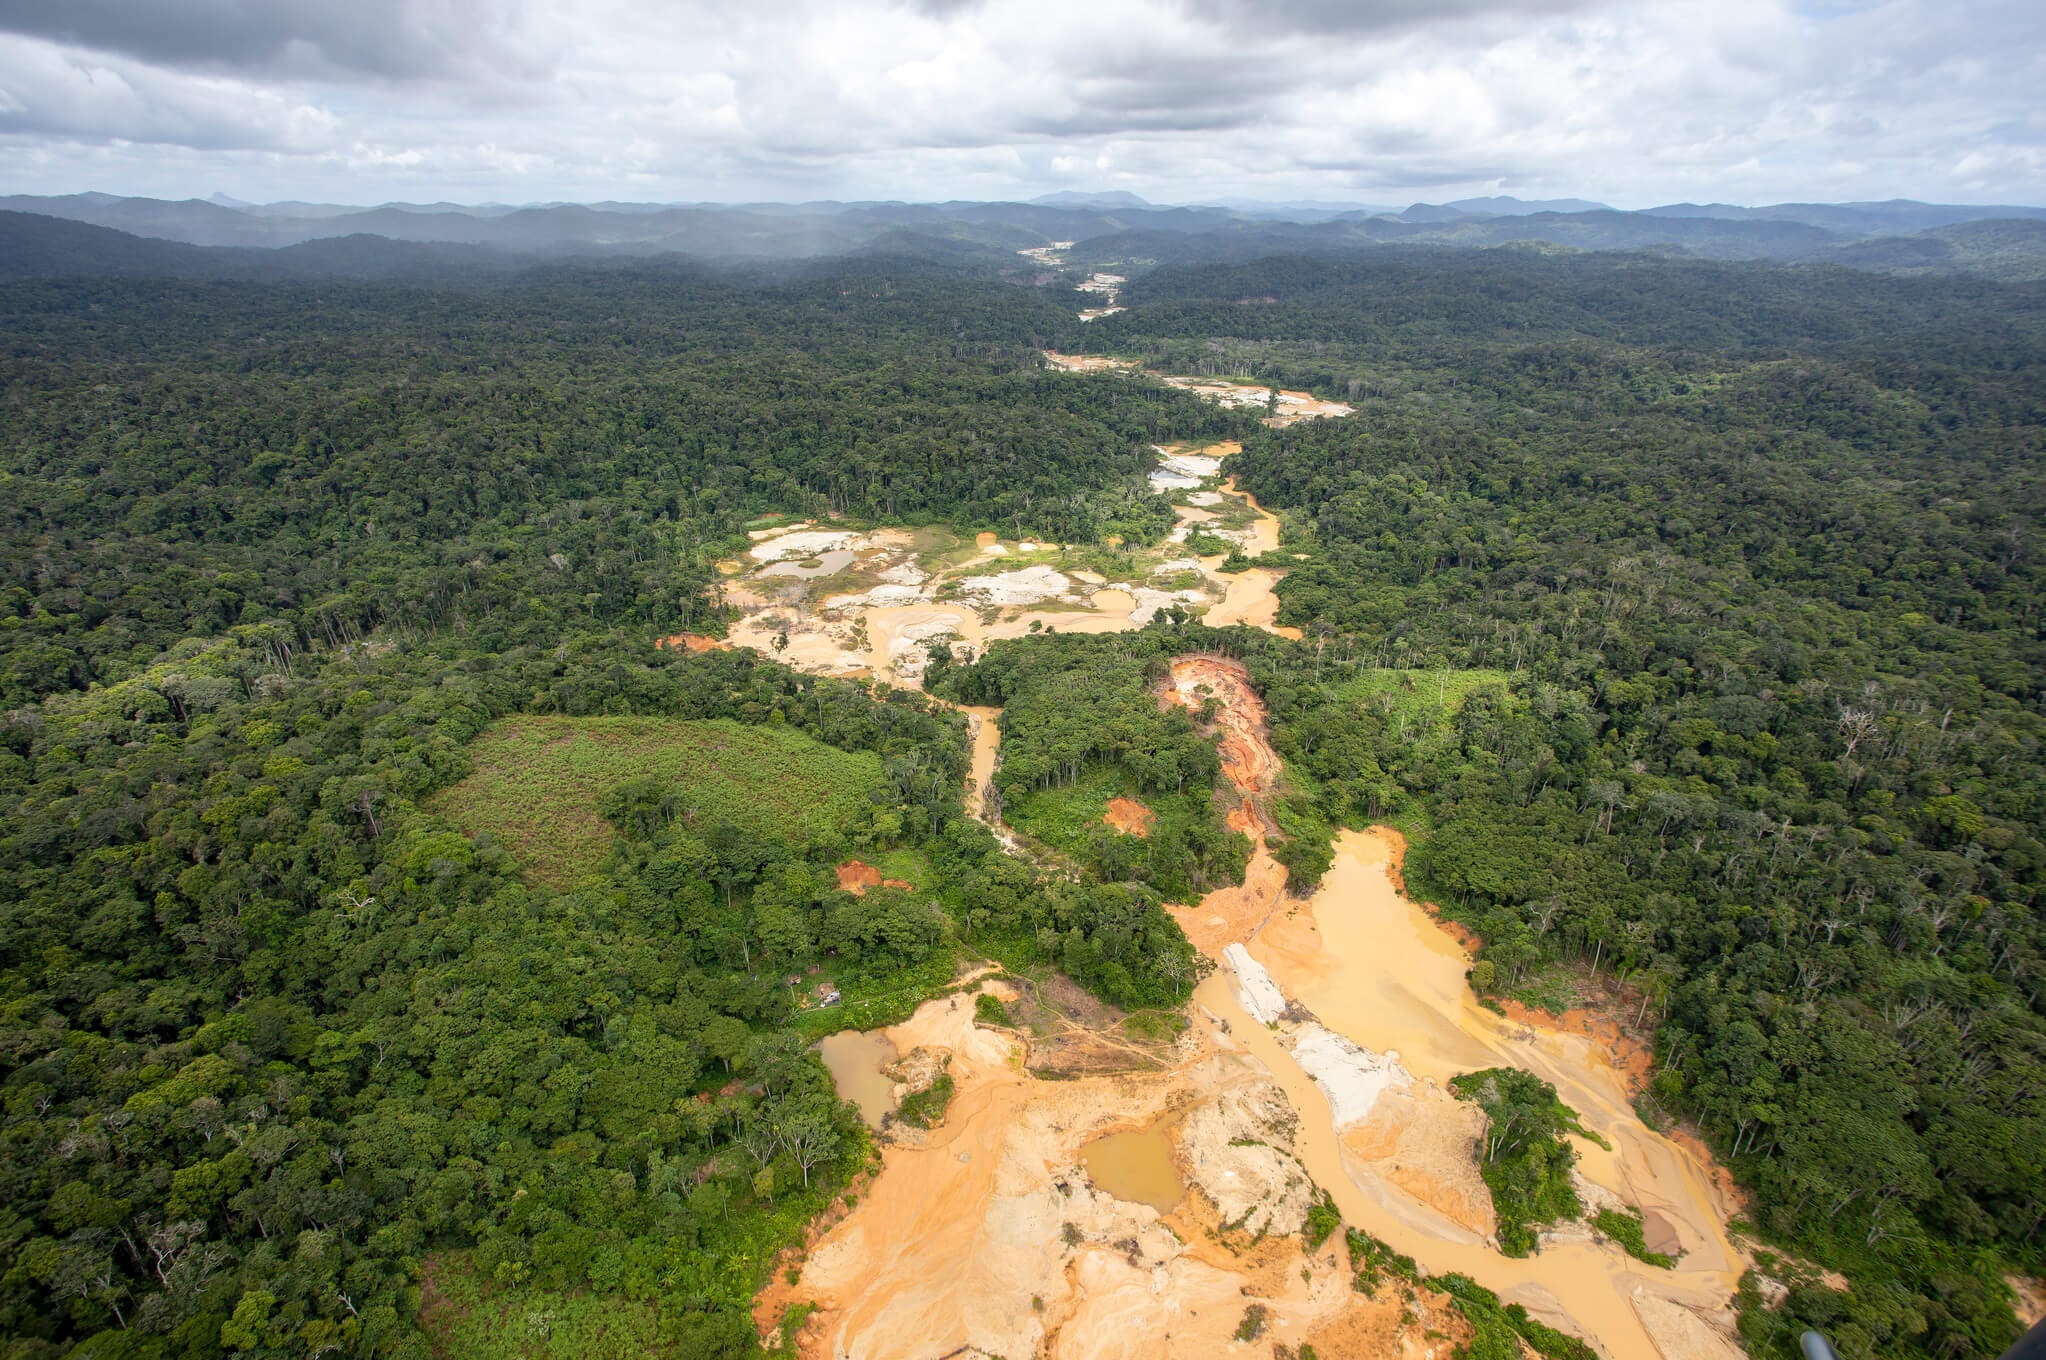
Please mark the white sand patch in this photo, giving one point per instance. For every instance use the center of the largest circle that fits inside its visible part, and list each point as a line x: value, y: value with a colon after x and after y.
x: 758, y: 534
x: 1182, y: 471
x: 1351, y: 1077
x: 1254, y: 986
x: 907, y: 653
x: 828, y: 564
x: 880, y: 597
x: 1192, y: 464
x: 1026, y: 546
x: 1301, y: 404
x: 799, y: 545
x: 1177, y: 564
x: 1031, y: 585
x: 1205, y: 498
x: 1150, y: 601
x: 995, y: 550
x: 905, y: 574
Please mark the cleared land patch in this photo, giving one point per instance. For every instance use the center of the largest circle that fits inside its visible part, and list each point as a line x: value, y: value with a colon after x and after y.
x: 536, y: 779
x: 1427, y: 701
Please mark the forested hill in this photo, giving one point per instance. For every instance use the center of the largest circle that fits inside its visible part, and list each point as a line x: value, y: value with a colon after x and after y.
x: 562, y: 449
x: 1421, y: 303
x: 1742, y: 571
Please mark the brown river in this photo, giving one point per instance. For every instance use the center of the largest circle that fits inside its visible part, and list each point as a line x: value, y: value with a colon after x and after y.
x: 1370, y: 966
x: 1378, y: 970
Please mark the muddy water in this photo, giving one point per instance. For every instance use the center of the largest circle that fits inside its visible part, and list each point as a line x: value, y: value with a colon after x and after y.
x: 987, y: 744
x: 1250, y: 602
x: 855, y: 1059
x: 1374, y: 967
x: 1136, y: 1166
x: 1265, y: 534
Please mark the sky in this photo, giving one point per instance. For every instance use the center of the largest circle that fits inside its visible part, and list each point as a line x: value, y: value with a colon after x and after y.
x: 1384, y: 102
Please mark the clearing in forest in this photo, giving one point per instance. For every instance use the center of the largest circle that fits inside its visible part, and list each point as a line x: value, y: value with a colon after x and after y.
x: 1427, y: 700
x: 536, y: 779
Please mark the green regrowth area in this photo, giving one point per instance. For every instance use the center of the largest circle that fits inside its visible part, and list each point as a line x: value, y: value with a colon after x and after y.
x: 549, y: 788
x: 925, y: 1109
x: 1372, y: 1262
x: 1624, y: 1227
x: 1081, y: 724
x: 1526, y: 1158
x: 1497, y: 1332
x: 1323, y: 1218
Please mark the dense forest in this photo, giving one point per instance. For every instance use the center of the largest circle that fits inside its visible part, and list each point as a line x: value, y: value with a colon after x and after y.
x: 281, y: 1027
x: 1687, y: 615
x: 1080, y: 725
x: 515, y: 461
x: 1692, y: 616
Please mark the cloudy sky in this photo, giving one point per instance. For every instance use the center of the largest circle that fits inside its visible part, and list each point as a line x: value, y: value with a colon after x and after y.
x: 1633, y: 102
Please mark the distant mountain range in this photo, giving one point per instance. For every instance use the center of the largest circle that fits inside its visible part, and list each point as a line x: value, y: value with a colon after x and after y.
x: 230, y: 236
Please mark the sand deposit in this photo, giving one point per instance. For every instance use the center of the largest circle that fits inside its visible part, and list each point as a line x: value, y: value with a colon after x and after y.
x: 828, y: 563
x: 1352, y: 1078
x: 1254, y: 986
x: 1182, y: 471
x: 778, y: 546
x: 990, y: 1238
x: 1031, y: 585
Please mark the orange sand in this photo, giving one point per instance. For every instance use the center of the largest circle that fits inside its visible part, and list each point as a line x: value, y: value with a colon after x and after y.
x: 695, y: 642
x: 855, y: 877
x: 1129, y: 817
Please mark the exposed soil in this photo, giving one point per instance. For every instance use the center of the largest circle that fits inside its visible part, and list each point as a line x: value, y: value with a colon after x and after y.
x: 2029, y: 1298
x: 1248, y: 761
x: 962, y: 1246
x: 1285, y: 407
x: 990, y: 1239
x: 1373, y: 966
x: 1086, y: 363
x: 694, y: 642
x: 856, y: 877
x: 1128, y: 816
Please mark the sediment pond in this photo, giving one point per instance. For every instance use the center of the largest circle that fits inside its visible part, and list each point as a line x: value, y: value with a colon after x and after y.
x: 1136, y: 1165
x: 855, y: 1059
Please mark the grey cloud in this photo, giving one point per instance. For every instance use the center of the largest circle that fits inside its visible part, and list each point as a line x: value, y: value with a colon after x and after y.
x: 1282, y: 18
x: 384, y: 39
x: 44, y: 90
x: 1136, y: 92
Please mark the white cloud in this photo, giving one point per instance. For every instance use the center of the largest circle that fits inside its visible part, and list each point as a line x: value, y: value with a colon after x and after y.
x: 1635, y: 102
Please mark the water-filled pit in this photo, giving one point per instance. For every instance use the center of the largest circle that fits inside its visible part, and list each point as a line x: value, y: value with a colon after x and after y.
x: 1136, y: 1165
x: 855, y: 1059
